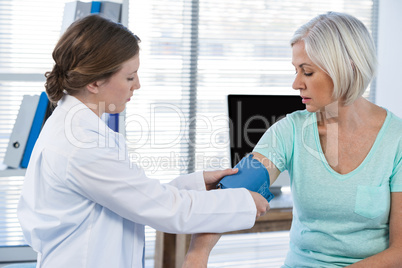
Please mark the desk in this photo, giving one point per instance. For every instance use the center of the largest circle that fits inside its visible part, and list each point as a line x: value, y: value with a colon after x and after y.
x: 170, y: 249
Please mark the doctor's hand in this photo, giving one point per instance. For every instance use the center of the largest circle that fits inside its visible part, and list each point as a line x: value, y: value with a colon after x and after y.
x: 261, y: 204
x: 212, y: 178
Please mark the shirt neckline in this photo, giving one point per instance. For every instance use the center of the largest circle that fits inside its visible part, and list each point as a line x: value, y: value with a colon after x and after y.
x: 378, y: 139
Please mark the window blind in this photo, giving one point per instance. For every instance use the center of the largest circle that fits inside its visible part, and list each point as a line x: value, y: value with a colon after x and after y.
x: 28, y: 32
x: 244, y: 49
x: 193, y: 53
x: 196, y: 52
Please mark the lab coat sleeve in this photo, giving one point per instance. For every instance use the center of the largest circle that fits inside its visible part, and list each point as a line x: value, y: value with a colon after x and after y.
x: 193, y: 181
x: 105, y: 177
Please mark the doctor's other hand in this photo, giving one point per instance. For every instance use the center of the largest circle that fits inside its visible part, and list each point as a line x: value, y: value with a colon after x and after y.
x: 261, y: 204
x: 212, y: 178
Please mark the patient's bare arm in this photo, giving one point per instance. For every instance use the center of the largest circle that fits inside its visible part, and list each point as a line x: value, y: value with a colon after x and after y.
x: 200, y: 248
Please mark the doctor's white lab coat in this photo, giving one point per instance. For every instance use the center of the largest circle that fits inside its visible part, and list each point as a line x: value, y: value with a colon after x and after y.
x: 83, y: 203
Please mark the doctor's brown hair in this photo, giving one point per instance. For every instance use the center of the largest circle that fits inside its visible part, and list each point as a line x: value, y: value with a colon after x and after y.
x: 92, y: 48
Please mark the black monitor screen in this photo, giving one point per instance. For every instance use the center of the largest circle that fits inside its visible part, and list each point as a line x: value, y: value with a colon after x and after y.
x: 251, y: 115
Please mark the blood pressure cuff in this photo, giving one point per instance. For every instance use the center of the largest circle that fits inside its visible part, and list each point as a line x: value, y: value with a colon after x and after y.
x: 252, y: 175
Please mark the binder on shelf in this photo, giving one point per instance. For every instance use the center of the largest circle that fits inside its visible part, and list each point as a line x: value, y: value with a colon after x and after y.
x: 82, y: 9
x: 113, y: 122
x: 73, y: 11
x: 78, y: 9
x: 95, y: 7
x: 21, y: 130
x: 111, y: 10
x: 49, y: 111
x: 36, y: 127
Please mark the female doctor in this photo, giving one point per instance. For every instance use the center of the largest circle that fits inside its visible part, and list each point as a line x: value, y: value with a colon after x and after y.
x: 83, y: 204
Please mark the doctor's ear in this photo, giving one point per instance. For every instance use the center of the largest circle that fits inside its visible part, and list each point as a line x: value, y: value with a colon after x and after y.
x: 93, y: 87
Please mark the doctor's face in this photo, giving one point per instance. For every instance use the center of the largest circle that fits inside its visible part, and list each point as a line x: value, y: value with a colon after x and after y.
x: 116, y: 91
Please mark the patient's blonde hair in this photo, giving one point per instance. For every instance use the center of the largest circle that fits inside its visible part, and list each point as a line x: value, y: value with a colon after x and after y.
x: 341, y: 45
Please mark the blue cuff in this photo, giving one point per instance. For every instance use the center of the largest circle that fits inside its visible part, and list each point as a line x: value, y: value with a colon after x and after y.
x: 252, y: 175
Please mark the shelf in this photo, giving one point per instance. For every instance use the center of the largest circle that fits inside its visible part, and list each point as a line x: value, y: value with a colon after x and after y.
x: 10, y: 172
x: 17, y: 253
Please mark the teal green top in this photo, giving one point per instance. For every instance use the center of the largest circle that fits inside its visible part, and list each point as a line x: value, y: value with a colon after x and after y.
x: 338, y: 219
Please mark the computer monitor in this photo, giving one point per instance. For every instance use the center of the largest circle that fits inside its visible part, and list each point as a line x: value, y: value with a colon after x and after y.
x: 250, y: 116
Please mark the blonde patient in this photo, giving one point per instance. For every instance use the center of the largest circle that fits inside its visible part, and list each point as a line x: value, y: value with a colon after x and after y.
x: 343, y: 154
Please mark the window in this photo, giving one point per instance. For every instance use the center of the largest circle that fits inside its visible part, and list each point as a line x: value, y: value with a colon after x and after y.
x: 193, y: 53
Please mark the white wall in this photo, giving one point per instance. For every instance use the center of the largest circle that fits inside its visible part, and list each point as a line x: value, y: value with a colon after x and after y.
x: 389, y: 78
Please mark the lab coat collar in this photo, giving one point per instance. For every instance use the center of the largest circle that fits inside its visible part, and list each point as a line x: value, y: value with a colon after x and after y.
x: 78, y: 112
